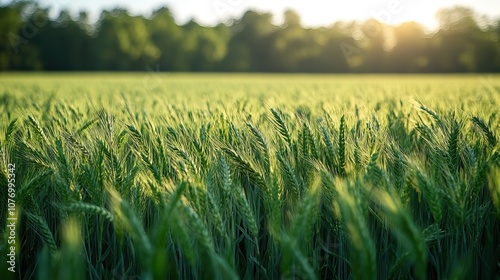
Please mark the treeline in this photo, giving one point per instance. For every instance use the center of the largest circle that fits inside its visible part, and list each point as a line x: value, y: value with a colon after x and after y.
x: 31, y: 40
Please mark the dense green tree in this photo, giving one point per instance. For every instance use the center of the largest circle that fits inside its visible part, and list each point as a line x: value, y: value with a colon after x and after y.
x: 290, y: 44
x: 208, y: 46
x: 249, y: 46
x: 460, y: 45
x: 329, y: 51
x: 63, y: 44
x: 32, y: 40
x: 408, y: 54
x: 19, y: 24
x: 168, y: 37
x: 123, y: 42
x: 374, y: 55
x: 10, y: 24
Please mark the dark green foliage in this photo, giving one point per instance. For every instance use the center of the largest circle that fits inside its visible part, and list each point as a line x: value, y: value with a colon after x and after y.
x: 33, y: 39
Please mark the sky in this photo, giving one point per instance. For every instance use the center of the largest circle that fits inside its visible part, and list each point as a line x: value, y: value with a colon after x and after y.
x: 313, y: 12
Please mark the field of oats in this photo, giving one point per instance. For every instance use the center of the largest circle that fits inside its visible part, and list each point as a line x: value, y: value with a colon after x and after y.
x: 228, y: 176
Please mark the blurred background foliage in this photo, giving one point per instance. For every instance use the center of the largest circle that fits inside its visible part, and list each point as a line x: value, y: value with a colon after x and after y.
x: 30, y: 39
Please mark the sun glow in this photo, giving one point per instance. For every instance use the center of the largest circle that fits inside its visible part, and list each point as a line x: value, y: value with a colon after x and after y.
x: 390, y: 12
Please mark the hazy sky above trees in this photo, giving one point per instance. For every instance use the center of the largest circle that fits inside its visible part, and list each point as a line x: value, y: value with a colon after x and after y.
x: 312, y: 12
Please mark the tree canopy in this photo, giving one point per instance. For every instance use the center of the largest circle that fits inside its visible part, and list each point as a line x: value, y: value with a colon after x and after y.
x: 31, y: 40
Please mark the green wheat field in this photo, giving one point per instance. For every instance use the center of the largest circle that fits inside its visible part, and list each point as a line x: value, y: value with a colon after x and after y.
x: 250, y: 176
